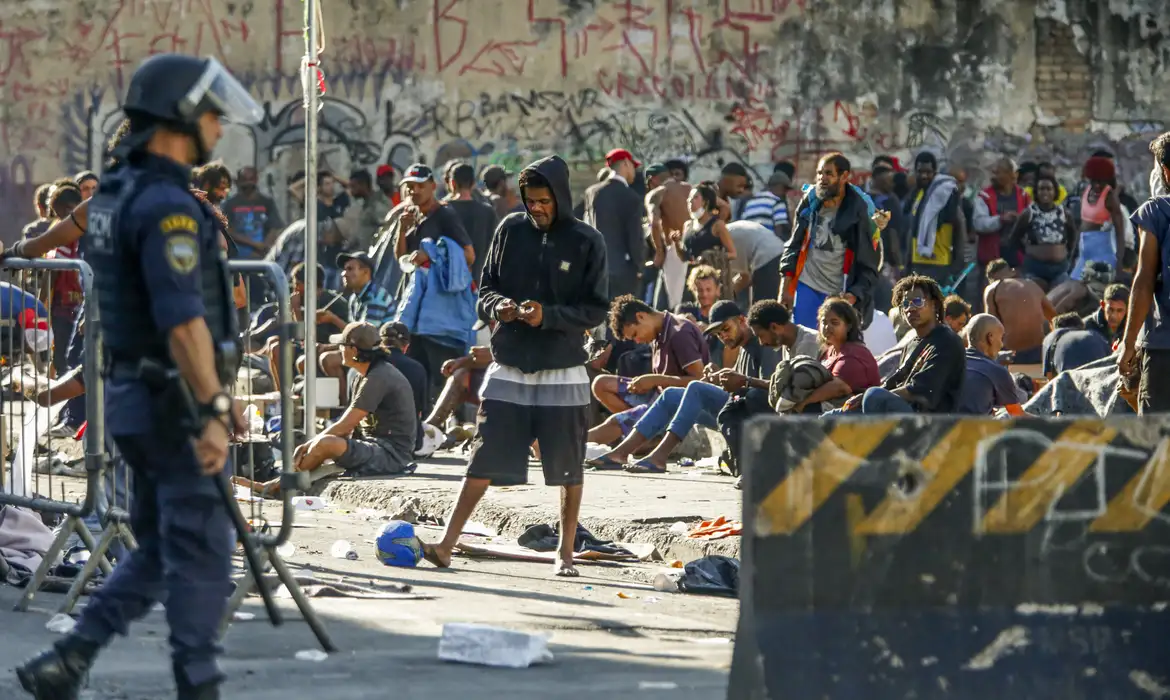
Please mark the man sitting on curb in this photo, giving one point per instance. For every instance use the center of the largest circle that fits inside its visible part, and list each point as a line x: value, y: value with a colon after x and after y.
x: 677, y: 410
x: 376, y: 434
x: 678, y: 353
x: 989, y: 385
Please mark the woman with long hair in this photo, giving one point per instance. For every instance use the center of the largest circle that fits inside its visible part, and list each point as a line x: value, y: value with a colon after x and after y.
x: 844, y: 353
x: 705, y: 239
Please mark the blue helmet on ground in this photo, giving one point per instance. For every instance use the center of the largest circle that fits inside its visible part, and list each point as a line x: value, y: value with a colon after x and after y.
x: 397, y: 545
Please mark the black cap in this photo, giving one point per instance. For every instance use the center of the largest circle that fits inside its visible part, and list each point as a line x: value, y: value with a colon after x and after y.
x: 363, y: 258
x: 394, y: 333
x: 656, y: 169
x: 493, y: 175
x: 419, y: 172
x: 722, y: 311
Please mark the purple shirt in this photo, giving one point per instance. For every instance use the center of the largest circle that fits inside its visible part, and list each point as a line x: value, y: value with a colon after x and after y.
x: 680, y: 343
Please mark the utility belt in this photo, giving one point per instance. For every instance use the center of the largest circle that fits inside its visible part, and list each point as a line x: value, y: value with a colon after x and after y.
x: 173, y: 404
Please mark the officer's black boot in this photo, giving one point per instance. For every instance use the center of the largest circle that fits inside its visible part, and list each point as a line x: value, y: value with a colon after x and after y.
x: 204, y: 691
x: 60, y: 672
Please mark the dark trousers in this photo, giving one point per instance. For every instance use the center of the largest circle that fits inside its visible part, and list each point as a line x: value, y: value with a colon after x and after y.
x: 731, y: 418
x: 766, y: 281
x: 431, y: 354
x: 73, y: 414
x: 623, y: 284
x: 185, y: 544
x: 62, y: 324
x: 1154, y: 389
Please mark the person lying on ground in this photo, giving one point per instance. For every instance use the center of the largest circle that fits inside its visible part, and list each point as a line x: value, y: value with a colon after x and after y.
x: 677, y: 410
x: 678, y: 354
x: 988, y: 384
x: 933, y: 368
x: 375, y: 436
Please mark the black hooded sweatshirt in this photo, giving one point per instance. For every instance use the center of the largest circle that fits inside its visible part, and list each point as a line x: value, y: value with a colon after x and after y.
x: 563, y: 269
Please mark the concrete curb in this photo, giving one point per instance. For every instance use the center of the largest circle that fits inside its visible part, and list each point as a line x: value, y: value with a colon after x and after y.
x: 402, y: 501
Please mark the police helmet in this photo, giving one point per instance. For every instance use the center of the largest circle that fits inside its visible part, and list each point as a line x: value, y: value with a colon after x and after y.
x: 176, y: 90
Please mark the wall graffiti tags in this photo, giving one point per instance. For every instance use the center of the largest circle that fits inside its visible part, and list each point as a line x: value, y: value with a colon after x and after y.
x: 505, y: 82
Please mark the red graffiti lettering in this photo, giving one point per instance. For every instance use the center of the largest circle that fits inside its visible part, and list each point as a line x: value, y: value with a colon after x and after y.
x: 694, y: 34
x: 499, y: 58
x: 284, y: 34
x: 443, y: 15
x: 852, y: 128
x: 12, y: 44
x: 534, y: 19
x: 632, y: 24
x: 601, y: 26
x: 746, y: 56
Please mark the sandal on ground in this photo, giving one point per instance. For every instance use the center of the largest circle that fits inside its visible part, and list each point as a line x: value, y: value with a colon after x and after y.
x: 645, y: 466
x: 605, y: 463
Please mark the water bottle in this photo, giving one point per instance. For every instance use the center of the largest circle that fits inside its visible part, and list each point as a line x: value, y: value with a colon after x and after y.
x: 255, y: 419
x: 343, y: 549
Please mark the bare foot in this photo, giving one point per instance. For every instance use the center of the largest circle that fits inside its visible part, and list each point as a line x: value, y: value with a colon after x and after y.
x: 565, y: 569
x: 441, y: 559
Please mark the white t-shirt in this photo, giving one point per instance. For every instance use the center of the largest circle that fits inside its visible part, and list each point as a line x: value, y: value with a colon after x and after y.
x: 880, y: 336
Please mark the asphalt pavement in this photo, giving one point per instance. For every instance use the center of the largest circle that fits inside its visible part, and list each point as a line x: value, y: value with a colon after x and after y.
x: 611, y: 634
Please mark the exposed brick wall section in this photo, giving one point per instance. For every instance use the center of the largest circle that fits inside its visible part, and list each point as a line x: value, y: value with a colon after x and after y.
x: 1064, y: 82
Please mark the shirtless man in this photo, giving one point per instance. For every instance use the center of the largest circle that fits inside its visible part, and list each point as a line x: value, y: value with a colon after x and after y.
x: 1022, y: 307
x: 668, y: 208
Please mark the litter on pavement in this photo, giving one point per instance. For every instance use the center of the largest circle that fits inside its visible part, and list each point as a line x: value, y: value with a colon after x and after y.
x: 492, y: 646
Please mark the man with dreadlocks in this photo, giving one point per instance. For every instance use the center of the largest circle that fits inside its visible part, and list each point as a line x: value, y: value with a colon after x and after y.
x: 930, y: 376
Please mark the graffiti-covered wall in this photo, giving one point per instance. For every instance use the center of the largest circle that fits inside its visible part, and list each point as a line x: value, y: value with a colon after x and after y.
x: 505, y: 81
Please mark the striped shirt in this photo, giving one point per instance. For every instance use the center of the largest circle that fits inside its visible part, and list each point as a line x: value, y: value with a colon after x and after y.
x: 769, y: 211
x: 548, y: 388
x: 371, y: 305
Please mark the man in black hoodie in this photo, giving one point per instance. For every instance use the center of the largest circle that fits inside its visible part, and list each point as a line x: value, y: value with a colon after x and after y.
x: 546, y: 283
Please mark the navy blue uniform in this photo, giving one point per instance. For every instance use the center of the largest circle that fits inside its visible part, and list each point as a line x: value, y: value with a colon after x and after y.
x: 158, y: 264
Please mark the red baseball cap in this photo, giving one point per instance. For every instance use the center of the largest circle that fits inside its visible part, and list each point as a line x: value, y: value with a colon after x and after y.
x: 617, y: 155
x: 384, y: 170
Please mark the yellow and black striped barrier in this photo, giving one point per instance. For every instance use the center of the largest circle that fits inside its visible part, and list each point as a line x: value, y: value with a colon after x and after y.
x: 952, y: 557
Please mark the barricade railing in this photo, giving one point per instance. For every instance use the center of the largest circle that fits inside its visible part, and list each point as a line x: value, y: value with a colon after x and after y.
x: 39, y: 311
x: 253, y: 454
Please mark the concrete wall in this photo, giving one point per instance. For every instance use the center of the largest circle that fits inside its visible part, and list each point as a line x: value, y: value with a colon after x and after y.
x: 505, y: 81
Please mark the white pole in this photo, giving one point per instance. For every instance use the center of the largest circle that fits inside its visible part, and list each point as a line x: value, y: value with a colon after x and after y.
x: 311, y: 100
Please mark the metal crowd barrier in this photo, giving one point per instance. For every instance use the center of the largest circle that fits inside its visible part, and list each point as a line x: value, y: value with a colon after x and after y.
x: 35, y: 330
x: 105, y: 504
x: 265, y: 537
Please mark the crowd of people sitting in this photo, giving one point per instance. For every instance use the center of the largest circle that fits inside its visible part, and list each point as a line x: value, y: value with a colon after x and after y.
x: 913, y: 294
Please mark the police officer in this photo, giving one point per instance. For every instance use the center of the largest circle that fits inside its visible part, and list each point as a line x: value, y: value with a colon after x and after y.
x: 169, y: 334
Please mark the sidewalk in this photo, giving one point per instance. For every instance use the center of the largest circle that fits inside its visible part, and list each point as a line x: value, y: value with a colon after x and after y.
x: 617, y: 506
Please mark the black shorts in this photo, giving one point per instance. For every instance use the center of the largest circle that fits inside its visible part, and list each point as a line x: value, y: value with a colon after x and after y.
x: 1154, y: 389
x: 506, y: 431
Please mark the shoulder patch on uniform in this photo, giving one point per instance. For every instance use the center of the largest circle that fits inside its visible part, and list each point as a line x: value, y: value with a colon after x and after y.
x: 182, y: 251
x: 178, y: 223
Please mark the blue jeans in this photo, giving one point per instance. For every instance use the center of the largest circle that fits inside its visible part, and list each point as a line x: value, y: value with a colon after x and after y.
x: 678, y: 410
x: 1096, y: 246
x: 879, y: 401
x: 806, y: 304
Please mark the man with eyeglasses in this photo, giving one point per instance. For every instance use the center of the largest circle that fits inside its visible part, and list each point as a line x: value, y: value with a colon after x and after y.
x: 934, y: 366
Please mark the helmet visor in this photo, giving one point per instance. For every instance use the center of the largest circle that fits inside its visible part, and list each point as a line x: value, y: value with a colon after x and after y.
x: 218, y: 90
